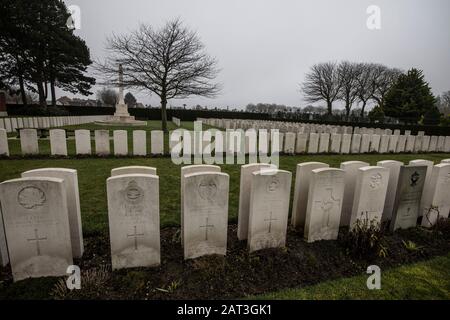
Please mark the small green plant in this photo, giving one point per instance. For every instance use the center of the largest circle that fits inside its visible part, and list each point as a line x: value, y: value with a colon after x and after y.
x: 365, y: 238
x: 411, y: 246
x: 172, y: 287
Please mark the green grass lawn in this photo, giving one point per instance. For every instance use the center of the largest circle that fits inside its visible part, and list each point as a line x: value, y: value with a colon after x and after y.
x: 93, y: 172
x: 423, y: 280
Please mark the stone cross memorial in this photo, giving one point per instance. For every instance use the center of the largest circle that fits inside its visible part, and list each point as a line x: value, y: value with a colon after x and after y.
x: 325, y: 198
x: 407, y: 199
x: 269, y: 209
x: 36, y: 221
x: 205, y: 212
x: 133, y: 211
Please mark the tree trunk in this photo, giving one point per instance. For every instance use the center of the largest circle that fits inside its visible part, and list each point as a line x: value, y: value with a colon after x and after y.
x: 362, y: 108
x: 52, y: 89
x: 164, y: 114
x: 42, y: 99
x: 347, y: 112
x: 330, y: 107
x: 22, y: 91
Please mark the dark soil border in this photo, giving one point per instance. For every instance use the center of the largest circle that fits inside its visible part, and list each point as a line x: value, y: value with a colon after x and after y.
x: 236, y: 275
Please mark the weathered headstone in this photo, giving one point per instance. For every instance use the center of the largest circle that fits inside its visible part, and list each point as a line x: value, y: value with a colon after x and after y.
x: 324, y: 142
x: 206, y: 214
x: 301, y: 143
x: 139, y: 143
x: 83, y: 142
x: 425, y: 143
x: 432, y: 146
x: 133, y: 170
x: 157, y: 142
x: 4, y: 148
x: 323, y: 213
x: 29, y: 142
x: 436, y: 197
x: 102, y: 144
x: 393, y: 141
x: 401, y: 144
x: 370, y: 194
x: 58, y: 144
x: 70, y: 178
x: 313, y: 144
x: 365, y: 143
x: 410, y: 141
x: 394, y: 171
x: 244, y: 196
x: 37, y: 230
x: 4, y: 257
x: 384, y: 143
x: 202, y: 168
x: 289, y: 143
x: 375, y: 143
x: 302, y: 181
x: 356, y: 143
x: 269, y: 209
x: 350, y: 169
x: 346, y: 141
x: 335, y: 143
x: 429, y: 164
x: 120, y: 142
x: 133, y: 211
x: 407, y: 199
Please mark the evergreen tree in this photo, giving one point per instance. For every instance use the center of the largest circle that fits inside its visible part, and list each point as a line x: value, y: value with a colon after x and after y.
x: 130, y: 100
x: 410, y: 97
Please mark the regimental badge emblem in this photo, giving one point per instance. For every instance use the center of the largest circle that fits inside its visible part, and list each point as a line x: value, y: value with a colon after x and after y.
x: 273, y: 184
x: 31, y: 197
x: 133, y: 193
x: 375, y: 181
x: 207, y: 189
x: 415, y: 178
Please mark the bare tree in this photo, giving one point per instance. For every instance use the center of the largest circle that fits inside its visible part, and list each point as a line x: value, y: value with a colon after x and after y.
x: 365, y: 87
x: 382, y: 80
x: 348, y: 75
x: 322, y: 83
x: 169, y: 62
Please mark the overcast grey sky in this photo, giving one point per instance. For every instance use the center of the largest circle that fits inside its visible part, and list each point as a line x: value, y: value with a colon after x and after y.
x: 265, y: 47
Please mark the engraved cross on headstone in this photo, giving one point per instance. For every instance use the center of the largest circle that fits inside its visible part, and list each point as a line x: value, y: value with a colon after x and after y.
x: 207, y: 226
x: 37, y: 240
x: 327, y: 205
x: 135, y: 235
x: 270, y: 221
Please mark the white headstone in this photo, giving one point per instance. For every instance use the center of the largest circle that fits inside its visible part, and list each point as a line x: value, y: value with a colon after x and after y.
x: 370, y: 194
x: 356, y: 142
x: 302, y: 181
x: 324, y: 142
x: 133, y: 211
x: 202, y: 168
x: 335, y: 143
x: 301, y: 143
x: 206, y: 214
x: 432, y: 146
x: 393, y: 141
x: 83, y: 142
x: 346, y: 141
x: 365, y: 143
x: 429, y: 164
x: 37, y: 229
x: 139, y: 143
x: 157, y: 142
x: 102, y: 144
x: 4, y: 148
x: 120, y: 142
x: 384, y: 143
x: 70, y: 178
x: 29, y: 142
x: 142, y: 170
x: 375, y: 143
x: 350, y: 169
x: 401, y: 144
x: 394, y: 172
x: 289, y: 143
x: 58, y: 144
x: 323, y: 212
x: 313, y: 144
x: 407, y: 200
x: 410, y: 141
x: 436, y: 197
x: 244, y: 196
x: 269, y: 209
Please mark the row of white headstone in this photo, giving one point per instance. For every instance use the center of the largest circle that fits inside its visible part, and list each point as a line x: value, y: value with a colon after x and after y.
x: 176, y: 121
x: 11, y: 124
x: 289, y: 143
x: 42, y: 222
